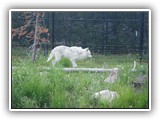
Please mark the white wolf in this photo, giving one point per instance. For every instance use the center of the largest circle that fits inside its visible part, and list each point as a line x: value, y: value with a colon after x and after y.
x: 72, y: 53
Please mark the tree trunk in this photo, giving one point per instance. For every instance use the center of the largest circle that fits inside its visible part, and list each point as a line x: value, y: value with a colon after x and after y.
x: 35, y: 41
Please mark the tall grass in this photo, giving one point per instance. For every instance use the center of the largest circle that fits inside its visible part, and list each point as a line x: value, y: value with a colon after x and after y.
x: 53, y: 88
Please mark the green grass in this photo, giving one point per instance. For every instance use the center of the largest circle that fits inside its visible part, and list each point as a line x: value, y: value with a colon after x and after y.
x: 53, y: 88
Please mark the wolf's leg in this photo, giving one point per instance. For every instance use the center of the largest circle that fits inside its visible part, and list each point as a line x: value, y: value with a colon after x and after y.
x: 73, y: 63
x: 58, y: 57
x: 50, y: 57
x: 53, y: 63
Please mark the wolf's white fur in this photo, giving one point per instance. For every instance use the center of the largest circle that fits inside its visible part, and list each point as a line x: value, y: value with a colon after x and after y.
x: 72, y: 53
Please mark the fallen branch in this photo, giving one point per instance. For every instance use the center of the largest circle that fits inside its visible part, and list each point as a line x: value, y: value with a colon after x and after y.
x: 134, y: 66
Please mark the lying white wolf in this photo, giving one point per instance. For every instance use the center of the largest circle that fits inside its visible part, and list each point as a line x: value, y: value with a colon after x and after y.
x: 72, y: 53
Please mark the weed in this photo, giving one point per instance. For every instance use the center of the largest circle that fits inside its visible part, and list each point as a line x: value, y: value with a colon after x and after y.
x: 33, y: 87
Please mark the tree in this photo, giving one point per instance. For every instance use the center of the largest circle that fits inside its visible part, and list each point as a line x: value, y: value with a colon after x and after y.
x: 31, y: 28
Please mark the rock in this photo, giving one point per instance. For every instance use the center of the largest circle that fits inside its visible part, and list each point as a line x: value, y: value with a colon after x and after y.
x: 106, y: 95
x: 140, y: 80
x: 137, y: 84
x: 113, y: 76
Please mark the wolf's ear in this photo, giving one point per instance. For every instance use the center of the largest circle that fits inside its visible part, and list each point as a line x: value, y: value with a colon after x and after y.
x: 86, y: 49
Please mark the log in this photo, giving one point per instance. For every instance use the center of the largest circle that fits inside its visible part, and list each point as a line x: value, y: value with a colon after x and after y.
x: 86, y: 70
x: 77, y: 69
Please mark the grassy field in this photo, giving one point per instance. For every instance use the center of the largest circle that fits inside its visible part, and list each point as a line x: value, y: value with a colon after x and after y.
x: 53, y: 88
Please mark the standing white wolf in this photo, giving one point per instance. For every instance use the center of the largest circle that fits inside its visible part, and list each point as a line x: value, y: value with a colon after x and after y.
x: 72, y: 53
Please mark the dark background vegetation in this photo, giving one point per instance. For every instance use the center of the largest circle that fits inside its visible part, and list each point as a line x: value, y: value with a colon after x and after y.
x: 103, y: 32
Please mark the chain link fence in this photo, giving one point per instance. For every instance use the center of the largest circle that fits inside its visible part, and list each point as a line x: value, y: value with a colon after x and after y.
x: 103, y: 35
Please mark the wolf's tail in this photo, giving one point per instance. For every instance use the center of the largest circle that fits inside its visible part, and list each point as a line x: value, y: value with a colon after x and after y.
x: 50, y: 56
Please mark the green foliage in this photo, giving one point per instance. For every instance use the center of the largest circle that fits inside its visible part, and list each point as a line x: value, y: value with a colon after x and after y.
x: 53, y: 88
x: 65, y: 62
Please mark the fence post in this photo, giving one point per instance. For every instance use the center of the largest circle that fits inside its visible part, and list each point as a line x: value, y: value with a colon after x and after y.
x: 52, y: 30
x: 106, y: 35
x: 141, y: 37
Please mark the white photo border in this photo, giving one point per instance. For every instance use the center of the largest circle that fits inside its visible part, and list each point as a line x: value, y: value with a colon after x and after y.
x: 80, y: 10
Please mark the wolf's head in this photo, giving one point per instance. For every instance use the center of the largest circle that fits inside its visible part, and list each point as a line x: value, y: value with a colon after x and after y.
x: 87, y: 53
